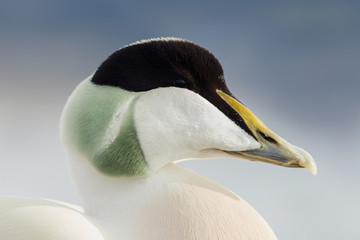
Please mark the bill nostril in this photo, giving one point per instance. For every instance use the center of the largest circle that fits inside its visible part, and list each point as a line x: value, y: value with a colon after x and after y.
x: 267, y: 138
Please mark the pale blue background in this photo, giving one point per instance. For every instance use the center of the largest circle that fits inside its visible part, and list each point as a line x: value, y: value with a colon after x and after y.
x: 296, y: 64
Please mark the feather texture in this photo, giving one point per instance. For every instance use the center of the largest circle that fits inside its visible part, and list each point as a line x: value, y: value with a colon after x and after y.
x: 40, y: 219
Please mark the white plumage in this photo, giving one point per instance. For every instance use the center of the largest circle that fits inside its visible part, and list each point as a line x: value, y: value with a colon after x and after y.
x: 153, y: 208
x: 41, y: 219
x: 121, y: 147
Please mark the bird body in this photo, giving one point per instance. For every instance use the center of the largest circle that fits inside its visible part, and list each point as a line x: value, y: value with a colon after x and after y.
x: 43, y: 219
x: 149, y: 105
x: 174, y: 203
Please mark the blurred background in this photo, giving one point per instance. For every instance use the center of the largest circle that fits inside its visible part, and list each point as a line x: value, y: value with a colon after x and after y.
x: 295, y: 64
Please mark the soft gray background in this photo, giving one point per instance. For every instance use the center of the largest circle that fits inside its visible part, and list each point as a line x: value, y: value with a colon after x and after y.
x: 296, y: 64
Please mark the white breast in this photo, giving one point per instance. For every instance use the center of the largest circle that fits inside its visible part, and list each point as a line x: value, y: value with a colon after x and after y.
x: 176, y: 203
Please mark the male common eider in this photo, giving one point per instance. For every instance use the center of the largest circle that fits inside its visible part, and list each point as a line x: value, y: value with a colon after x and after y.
x: 150, y: 104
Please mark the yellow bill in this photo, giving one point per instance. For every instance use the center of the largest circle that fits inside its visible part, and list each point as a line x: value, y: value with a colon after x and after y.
x: 274, y: 149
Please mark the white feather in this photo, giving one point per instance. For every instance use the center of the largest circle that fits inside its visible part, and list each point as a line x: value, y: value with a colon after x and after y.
x: 175, y: 124
x: 173, y: 203
x: 40, y: 219
x: 170, y: 202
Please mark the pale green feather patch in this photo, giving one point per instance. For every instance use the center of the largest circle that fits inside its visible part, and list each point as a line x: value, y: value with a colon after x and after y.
x: 94, y: 126
x: 123, y: 156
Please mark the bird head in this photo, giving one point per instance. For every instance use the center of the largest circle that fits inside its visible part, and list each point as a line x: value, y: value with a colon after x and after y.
x: 163, y: 100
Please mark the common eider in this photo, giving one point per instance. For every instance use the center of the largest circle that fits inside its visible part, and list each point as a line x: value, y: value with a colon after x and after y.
x: 148, y: 105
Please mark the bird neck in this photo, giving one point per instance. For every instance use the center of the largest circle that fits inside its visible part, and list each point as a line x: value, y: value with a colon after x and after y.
x: 172, y: 197
x: 110, y: 196
x: 98, y: 121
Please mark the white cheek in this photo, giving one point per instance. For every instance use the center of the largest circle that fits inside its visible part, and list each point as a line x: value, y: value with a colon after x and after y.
x: 174, y: 124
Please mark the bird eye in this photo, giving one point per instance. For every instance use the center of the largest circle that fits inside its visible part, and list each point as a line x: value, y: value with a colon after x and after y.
x: 180, y: 83
x: 267, y: 138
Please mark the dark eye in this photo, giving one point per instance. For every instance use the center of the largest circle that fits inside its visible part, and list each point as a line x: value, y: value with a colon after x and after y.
x: 181, y: 83
x: 267, y: 138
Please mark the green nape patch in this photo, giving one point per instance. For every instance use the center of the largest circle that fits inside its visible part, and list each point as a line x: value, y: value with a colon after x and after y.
x: 86, y: 122
x: 123, y: 157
